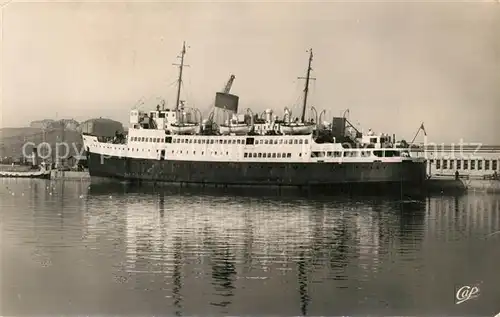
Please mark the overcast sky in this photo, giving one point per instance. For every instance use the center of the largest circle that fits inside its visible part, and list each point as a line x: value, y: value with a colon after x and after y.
x: 393, y: 65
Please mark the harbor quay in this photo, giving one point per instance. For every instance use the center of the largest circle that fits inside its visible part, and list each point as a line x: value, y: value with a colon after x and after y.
x: 470, y: 160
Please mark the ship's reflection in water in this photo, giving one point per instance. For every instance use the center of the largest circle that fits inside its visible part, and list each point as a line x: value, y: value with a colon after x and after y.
x: 183, y: 252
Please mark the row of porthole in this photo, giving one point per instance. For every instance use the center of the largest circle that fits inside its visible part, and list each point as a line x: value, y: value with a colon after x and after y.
x: 219, y: 141
x: 269, y: 155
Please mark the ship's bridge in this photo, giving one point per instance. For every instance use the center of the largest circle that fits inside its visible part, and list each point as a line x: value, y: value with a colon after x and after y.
x: 377, y: 141
x: 162, y: 119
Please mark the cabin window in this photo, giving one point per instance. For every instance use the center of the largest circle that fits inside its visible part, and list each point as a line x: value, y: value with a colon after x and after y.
x: 329, y: 153
x: 255, y: 155
x: 466, y: 164
x: 174, y: 141
x: 234, y: 142
x: 438, y: 164
x: 268, y: 154
x: 494, y: 165
x: 283, y: 155
x: 275, y: 141
x: 472, y: 164
x: 486, y: 165
x: 445, y: 164
x: 479, y: 164
x: 288, y: 155
x: 306, y: 141
x: 161, y: 115
x: 459, y: 164
x: 350, y: 154
x: 249, y: 141
x: 281, y: 141
x: 264, y: 155
x: 300, y: 141
x: 225, y: 141
x: 260, y: 155
x: 451, y: 164
x: 379, y: 153
x: 391, y: 153
x: 266, y: 142
x: 295, y: 141
x: 279, y: 155
x: 245, y: 155
x: 317, y: 154
x: 274, y: 155
x: 211, y: 141
x: 168, y: 139
x: 365, y: 153
x: 373, y: 140
x: 285, y: 141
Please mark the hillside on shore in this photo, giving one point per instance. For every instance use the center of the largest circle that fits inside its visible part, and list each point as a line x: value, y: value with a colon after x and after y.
x: 12, y: 140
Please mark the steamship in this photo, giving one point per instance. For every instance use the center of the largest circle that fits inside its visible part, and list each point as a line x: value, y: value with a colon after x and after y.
x: 177, y: 146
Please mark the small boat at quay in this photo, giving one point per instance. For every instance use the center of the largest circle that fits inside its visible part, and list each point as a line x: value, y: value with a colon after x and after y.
x: 41, y: 173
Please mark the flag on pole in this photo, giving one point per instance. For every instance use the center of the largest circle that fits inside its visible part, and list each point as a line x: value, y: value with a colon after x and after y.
x: 423, y: 129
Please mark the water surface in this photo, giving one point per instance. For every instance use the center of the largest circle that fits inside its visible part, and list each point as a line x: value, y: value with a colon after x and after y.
x: 74, y: 248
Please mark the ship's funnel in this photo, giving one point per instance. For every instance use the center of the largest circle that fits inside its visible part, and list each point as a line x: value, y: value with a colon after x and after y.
x: 226, y: 101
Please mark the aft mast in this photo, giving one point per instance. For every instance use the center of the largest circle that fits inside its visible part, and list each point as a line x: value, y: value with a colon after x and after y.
x: 306, y: 88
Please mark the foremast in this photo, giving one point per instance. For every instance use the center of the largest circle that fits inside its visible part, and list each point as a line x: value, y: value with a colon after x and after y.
x: 179, y: 80
x: 306, y: 88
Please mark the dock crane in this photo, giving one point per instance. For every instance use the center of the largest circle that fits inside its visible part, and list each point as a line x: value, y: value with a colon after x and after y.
x: 225, y: 90
x: 229, y: 84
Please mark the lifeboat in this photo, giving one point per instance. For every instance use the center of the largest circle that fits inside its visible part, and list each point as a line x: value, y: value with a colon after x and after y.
x: 238, y: 129
x: 297, y: 128
x: 184, y: 128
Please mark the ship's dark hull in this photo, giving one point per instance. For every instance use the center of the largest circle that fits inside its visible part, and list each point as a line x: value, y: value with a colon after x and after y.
x: 375, y: 175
